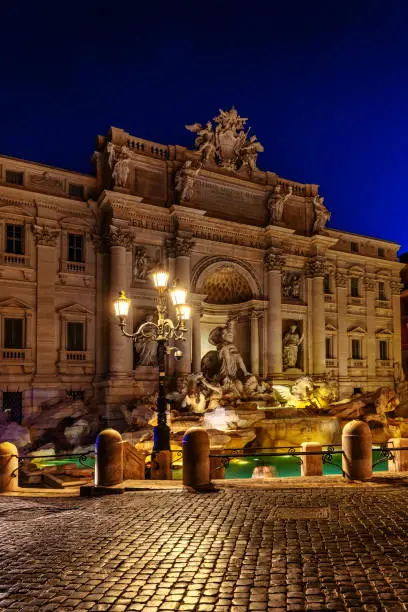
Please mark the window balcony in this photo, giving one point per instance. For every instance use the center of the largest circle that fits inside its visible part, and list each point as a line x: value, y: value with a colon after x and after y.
x: 331, y: 362
x: 382, y: 303
x: 356, y: 301
x: 12, y: 259
x: 16, y: 359
x: 74, y: 267
x: 329, y: 298
x: 384, y: 363
x: 357, y: 363
x: 78, y: 362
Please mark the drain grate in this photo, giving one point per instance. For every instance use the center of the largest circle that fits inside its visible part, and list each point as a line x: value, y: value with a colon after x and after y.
x: 305, y: 513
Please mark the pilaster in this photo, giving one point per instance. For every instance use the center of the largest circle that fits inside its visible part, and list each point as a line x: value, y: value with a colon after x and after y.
x: 274, y: 262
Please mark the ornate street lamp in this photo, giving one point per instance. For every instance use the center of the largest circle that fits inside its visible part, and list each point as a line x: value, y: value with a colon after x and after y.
x: 162, y: 331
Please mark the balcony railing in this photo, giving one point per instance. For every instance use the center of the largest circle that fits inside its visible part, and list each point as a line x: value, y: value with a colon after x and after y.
x: 76, y: 356
x: 15, y: 355
x: 384, y: 363
x: 75, y: 267
x: 329, y: 297
x: 357, y: 363
x: 382, y: 303
x: 331, y: 362
x: 12, y: 259
x: 356, y: 301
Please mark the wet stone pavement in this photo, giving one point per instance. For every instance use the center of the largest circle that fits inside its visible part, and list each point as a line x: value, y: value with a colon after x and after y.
x: 242, y: 549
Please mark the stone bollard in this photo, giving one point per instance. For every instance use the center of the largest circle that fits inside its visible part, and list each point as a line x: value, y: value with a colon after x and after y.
x: 108, y: 458
x: 8, y: 467
x: 400, y: 463
x: 161, y: 465
x: 217, y: 467
x: 356, y: 442
x: 196, y: 458
x: 312, y: 465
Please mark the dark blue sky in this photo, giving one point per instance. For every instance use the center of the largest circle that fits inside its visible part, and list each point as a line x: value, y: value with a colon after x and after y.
x: 324, y: 84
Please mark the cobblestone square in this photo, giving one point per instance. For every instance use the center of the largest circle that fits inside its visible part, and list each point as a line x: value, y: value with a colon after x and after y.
x: 232, y: 550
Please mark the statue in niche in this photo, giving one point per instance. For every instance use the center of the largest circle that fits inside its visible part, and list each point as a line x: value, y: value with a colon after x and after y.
x: 226, y: 366
x: 322, y: 215
x: 146, y: 349
x: 184, y: 182
x: 290, y: 347
x: 291, y: 285
x: 141, y: 267
x: 276, y: 203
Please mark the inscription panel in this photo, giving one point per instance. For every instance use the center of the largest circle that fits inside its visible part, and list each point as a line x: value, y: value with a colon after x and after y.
x: 230, y: 202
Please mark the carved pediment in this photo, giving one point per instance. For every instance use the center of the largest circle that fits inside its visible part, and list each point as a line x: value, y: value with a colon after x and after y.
x: 13, y: 302
x: 356, y: 331
x: 75, y: 309
x: 383, y: 333
x: 330, y: 328
x: 10, y: 210
x: 356, y: 271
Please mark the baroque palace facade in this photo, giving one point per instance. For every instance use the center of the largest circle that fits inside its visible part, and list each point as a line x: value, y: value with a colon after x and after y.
x: 249, y: 245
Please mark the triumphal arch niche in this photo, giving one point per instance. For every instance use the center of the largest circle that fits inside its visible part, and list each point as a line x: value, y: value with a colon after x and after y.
x: 293, y: 296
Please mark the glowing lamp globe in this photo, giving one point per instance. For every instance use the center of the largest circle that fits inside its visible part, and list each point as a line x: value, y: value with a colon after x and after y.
x: 160, y: 279
x: 185, y: 312
x: 122, y: 305
x: 178, y: 296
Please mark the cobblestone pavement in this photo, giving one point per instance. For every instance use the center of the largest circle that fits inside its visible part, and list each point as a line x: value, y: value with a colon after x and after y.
x: 242, y: 549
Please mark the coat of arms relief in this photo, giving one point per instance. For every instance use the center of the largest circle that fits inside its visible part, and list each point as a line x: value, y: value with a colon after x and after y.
x: 228, y: 144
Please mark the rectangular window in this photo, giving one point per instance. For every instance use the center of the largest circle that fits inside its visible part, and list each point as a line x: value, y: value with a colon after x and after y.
x: 75, y: 336
x: 356, y: 348
x: 329, y: 348
x: 381, y: 252
x: 75, y: 247
x: 381, y: 291
x: 383, y: 350
x: 14, y: 178
x: 15, y: 239
x: 354, y: 247
x: 13, y: 333
x: 354, y: 287
x: 326, y: 284
x: 76, y: 191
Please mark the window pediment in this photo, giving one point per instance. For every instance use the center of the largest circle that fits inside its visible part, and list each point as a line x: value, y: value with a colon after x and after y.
x: 356, y: 271
x: 356, y: 331
x: 14, y: 303
x: 383, y: 333
x: 75, y: 309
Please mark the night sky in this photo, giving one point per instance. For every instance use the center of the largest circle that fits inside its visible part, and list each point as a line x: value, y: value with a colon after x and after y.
x: 324, y: 84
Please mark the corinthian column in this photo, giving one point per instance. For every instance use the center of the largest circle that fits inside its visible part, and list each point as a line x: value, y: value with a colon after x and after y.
x: 254, y: 343
x: 273, y: 263
x: 120, y: 241
x: 370, y: 286
x: 183, y: 248
x: 316, y: 272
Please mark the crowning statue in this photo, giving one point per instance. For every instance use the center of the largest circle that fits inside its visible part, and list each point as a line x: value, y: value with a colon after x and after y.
x: 322, y: 215
x: 276, y: 203
x: 290, y: 347
x: 228, y: 145
x: 120, y: 165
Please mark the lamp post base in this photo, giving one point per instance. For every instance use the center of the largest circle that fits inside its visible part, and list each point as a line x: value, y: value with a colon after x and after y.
x: 161, y: 438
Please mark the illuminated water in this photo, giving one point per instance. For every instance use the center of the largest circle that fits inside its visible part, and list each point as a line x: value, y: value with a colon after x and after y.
x: 286, y: 466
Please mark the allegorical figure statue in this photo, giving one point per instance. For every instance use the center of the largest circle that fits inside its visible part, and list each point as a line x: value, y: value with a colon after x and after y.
x: 249, y: 153
x: 322, y: 215
x: 276, y: 203
x: 290, y: 347
x: 184, y: 182
x: 146, y: 349
x: 141, y: 266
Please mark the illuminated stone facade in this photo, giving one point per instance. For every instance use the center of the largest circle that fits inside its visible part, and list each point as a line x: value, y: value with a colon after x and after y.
x: 246, y: 243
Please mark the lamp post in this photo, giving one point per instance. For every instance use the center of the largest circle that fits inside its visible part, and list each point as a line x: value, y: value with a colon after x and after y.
x: 162, y: 331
